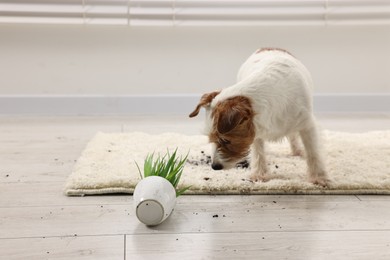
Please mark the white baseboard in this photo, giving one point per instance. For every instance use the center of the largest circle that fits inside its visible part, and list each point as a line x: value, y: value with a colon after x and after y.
x: 168, y: 104
x: 351, y: 103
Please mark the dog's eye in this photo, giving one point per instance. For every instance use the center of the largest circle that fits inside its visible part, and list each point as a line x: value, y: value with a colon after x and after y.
x: 224, y: 141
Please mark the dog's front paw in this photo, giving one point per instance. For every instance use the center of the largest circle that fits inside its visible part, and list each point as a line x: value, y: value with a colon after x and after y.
x: 298, y: 152
x: 259, y: 177
x: 321, y: 181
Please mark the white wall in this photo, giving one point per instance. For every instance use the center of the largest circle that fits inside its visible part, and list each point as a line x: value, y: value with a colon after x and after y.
x: 95, y: 60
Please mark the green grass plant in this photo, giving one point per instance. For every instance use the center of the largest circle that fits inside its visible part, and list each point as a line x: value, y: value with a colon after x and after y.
x: 168, y: 166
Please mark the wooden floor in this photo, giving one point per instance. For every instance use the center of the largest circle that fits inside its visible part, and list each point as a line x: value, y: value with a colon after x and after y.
x: 38, y: 222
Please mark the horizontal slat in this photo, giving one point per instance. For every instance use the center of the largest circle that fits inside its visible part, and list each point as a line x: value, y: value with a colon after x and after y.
x: 201, y: 12
x: 66, y: 2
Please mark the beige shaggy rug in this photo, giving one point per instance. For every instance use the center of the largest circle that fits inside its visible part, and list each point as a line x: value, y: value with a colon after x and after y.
x: 356, y: 163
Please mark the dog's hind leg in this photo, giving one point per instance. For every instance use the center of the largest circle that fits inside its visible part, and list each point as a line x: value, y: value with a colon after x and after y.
x: 316, y: 168
x: 296, y: 149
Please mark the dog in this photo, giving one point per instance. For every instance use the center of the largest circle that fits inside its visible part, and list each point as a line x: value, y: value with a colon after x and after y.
x: 271, y: 100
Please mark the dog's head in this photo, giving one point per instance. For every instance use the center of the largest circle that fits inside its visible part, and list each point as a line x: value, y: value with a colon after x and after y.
x: 231, y: 129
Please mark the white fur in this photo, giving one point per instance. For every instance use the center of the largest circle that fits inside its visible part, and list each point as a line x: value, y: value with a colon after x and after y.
x: 279, y: 87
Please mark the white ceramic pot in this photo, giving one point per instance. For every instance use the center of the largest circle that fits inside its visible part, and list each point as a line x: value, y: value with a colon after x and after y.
x: 154, y: 200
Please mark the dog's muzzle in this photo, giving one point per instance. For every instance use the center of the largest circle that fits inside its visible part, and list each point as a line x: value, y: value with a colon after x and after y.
x: 217, y: 166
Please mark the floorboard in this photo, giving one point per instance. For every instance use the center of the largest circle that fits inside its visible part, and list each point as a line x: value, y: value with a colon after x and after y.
x: 89, y: 247
x: 262, y: 245
x: 239, y: 215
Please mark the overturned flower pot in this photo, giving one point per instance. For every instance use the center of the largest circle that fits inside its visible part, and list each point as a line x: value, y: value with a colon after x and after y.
x: 154, y: 200
x: 155, y: 195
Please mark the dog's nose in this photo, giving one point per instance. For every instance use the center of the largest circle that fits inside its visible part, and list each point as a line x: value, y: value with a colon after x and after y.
x: 217, y: 166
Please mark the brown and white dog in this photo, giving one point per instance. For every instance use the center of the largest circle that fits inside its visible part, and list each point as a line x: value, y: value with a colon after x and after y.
x: 271, y: 100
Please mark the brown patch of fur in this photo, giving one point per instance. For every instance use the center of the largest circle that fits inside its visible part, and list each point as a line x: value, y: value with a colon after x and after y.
x: 205, y: 100
x: 273, y: 49
x: 233, y: 129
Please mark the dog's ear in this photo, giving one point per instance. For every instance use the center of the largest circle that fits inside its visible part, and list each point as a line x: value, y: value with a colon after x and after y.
x: 205, y: 101
x: 232, y: 113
